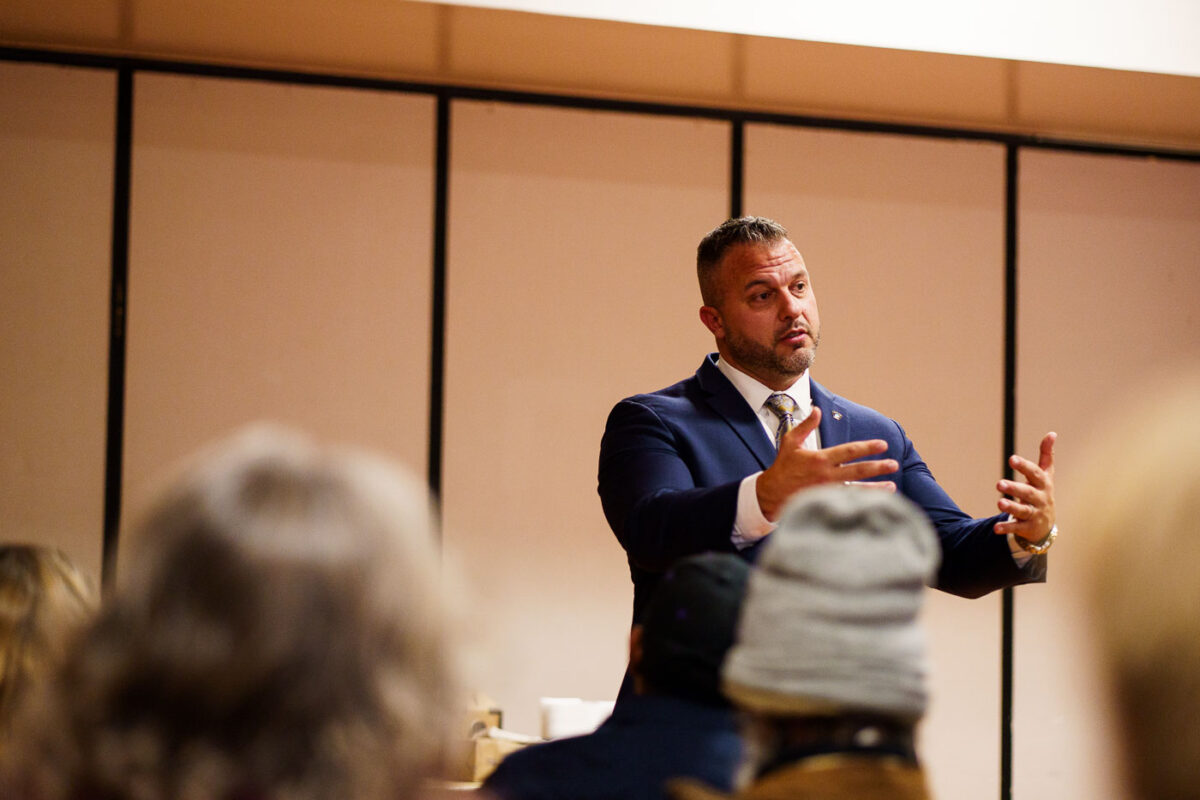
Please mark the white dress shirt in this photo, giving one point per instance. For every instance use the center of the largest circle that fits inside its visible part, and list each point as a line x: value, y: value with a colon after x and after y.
x: 749, y: 524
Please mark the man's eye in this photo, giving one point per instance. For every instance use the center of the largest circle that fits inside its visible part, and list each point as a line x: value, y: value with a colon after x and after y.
x: 799, y: 288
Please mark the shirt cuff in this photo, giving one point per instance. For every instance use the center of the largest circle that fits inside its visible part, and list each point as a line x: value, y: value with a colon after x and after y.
x: 749, y: 525
x: 1020, y: 555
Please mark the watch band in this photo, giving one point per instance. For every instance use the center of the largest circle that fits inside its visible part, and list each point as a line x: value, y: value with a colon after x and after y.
x: 1038, y: 548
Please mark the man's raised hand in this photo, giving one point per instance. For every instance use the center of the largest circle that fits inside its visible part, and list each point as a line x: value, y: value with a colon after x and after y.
x: 1032, y: 504
x: 796, y: 468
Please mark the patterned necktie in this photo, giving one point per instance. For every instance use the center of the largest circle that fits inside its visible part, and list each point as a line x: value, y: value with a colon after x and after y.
x: 785, y: 408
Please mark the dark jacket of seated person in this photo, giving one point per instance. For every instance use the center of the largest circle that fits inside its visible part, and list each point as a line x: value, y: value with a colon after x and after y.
x: 677, y: 723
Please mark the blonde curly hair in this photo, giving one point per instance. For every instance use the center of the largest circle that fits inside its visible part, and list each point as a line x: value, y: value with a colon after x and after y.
x: 44, y: 598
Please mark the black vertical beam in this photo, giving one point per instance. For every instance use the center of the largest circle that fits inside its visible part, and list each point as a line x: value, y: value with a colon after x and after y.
x: 1010, y: 418
x: 118, y: 306
x: 737, y: 166
x: 437, y: 339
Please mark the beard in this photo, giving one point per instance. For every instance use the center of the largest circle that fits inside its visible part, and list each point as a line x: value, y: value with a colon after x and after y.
x: 767, y: 360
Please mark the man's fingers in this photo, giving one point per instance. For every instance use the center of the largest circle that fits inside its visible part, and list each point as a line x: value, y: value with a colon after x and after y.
x: 1032, y: 472
x: 1046, y: 456
x: 1007, y: 527
x: 882, y: 486
x: 867, y: 469
x: 840, y: 454
x: 1022, y: 491
x: 1030, y: 505
x: 1020, y: 511
x: 806, y: 426
x: 1016, y: 527
x: 1037, y: 474
x: 1028, y: 530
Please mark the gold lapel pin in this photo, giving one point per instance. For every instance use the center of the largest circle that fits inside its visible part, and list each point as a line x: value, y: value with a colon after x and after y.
x: 837, y: 415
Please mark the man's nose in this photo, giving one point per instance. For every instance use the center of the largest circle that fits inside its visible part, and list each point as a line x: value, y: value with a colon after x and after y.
x: 790, y: 307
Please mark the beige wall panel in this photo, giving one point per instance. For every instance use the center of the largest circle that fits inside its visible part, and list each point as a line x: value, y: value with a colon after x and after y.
x: 1115, y: 105
x: 1109, y: 296
x: 355, y: 35
x: 279, y: 267
x: 56, y: 157
x: 904, y: 239
x: 876, y: 82
x: 571, y: 285
x: 81, y: 23
x: 565, y: 53
x: 538, y: 52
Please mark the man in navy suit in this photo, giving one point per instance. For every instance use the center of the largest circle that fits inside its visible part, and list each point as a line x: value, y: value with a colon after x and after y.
x: 707, y: 464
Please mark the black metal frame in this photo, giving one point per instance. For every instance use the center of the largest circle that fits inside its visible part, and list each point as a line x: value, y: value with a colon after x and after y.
x: 118, y: 297
x: 1011, y: 175
x: 437, y: 342
x: 461, y: 92
x: 126, y: 66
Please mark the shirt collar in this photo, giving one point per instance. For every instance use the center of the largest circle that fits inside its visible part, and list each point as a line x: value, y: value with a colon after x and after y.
x: 755, y: 393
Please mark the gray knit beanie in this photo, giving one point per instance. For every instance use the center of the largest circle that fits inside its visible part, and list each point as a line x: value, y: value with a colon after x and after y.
x: 829, y: 624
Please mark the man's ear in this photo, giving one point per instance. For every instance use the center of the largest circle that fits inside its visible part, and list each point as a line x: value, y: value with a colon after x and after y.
x: 711, y: 318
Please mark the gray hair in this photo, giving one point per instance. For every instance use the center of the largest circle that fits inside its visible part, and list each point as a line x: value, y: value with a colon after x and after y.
x: 281, y: 633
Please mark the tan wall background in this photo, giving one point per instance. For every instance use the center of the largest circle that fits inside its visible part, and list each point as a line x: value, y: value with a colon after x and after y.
x: 279, y: 268
x: 569, y: 234
x: 904, y: 240
x: 56, y: 157
x: 1109, y: 303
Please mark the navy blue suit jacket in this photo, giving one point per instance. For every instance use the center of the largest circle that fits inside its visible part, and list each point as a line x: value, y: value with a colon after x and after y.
x: 647, y: 741
x: 671, y: 463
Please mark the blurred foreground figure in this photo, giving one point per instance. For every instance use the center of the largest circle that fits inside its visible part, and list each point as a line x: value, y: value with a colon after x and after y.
x: 279, y: 634
x: 829, y: 665
x: 43, y: 601
x: 1141, y: 507
x: 675, y: 723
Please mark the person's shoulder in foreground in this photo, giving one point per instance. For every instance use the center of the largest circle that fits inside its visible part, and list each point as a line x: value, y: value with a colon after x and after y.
x: 676, y: 722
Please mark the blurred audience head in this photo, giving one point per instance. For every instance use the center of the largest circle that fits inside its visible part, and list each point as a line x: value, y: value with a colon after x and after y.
x: 279, y: 632
x: 829, y: 629
x: 1140, y: 513
x: 43, y: 600
x: 688, y: 627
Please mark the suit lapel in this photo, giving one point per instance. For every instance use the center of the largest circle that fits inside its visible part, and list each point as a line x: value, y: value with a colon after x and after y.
x: 724, y: 399
x: 834, y: 427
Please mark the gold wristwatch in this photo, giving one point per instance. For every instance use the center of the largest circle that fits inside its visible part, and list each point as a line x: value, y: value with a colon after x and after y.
x: 1040, y: 547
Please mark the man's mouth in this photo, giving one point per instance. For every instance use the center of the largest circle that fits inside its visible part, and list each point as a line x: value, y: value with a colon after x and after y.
x: 796, y: 336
